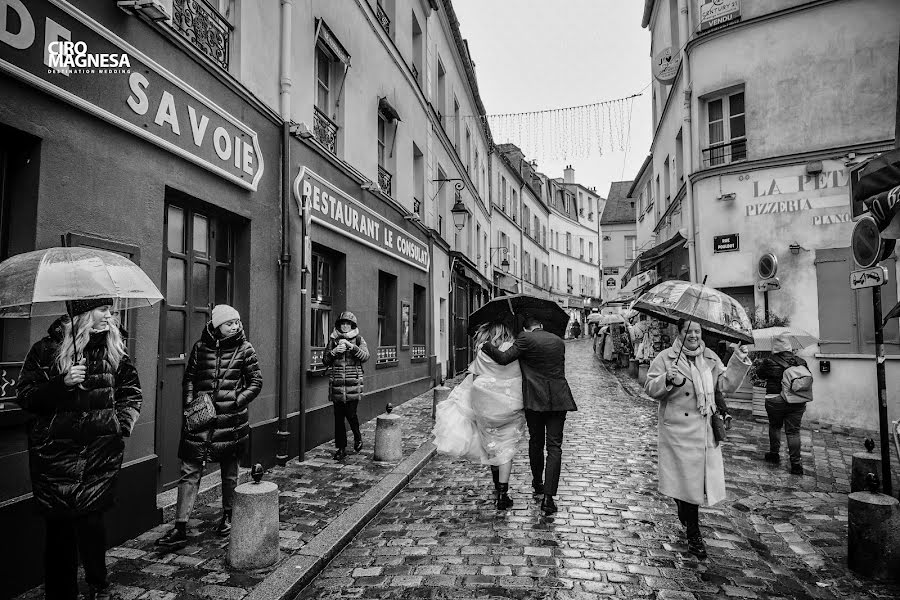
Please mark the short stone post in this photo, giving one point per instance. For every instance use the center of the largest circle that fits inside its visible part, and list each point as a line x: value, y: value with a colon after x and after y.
x: 873, y: 533
x: 643, y: 368
x: 633, y: 368
x: 440, y: 394
x: 863, y: 464
x: 388, y: 437
x: 253, y: 542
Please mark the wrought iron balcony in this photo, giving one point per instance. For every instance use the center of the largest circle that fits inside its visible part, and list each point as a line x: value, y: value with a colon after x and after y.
x: 722, y: 154
x: 415, y: 71
x: 384, y: 19
x: 204, y: 27
x: 325, y: 130
x: 384, y: 180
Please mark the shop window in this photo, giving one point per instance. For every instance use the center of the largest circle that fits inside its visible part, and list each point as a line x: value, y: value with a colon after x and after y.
x: 726, y: 130
x: 321, y: 299
x: 846, y: 320
x: 387, y: 318
x: 419, y: 322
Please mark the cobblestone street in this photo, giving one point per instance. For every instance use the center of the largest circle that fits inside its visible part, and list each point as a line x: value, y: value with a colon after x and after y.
x: 777, y: 535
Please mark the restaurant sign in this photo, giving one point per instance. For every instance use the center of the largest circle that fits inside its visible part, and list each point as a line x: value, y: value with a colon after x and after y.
x: 714, y: 13
x: 334, y: 209
x: 60, y: 50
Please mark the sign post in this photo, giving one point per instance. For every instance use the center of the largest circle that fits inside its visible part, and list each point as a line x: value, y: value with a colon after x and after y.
x: 868, y: 249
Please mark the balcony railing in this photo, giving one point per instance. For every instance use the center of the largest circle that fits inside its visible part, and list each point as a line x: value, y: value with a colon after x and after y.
x: 415, y: 71
x: 384, y: 19
x: 418, y: 351
x: 204, y: 27
x: 315, y: 359
x: 384, y: 180
x: 325, y: 130
x: 722, y: 154
x: 386, y: 355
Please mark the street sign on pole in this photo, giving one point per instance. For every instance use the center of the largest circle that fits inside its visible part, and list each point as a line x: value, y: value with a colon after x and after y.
x: 767, y: 285
x: 864, y: 278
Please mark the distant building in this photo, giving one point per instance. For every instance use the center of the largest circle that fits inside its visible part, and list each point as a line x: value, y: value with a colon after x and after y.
x: 618, y: 232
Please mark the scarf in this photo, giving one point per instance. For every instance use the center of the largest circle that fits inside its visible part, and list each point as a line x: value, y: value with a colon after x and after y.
x: 336, y: 335
x: 701, y: 375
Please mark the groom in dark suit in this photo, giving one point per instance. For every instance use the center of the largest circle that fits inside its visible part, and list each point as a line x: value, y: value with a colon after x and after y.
x: 547, y: 398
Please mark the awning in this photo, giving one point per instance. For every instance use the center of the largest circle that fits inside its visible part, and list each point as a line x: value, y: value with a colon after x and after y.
x: 648, y: 258
x: 385, y: 108
x: 327, y: 37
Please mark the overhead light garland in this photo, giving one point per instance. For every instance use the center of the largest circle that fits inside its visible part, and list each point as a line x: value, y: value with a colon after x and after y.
x: 568, y: 133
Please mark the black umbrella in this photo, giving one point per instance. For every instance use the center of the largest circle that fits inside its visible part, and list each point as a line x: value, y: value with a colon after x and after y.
x: 512, y: 309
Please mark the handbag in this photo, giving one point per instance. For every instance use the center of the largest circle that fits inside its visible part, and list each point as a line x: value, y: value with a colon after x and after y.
x: 199, y: 413
x: 718, y: 427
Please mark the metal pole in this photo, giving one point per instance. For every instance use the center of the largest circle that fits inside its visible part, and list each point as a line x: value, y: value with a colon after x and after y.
x: 284, y: 261
x: 886, y: 486
x: 305, y: 250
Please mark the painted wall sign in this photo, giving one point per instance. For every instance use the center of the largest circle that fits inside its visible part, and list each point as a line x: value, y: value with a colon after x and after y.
x: 665, y: 65
x: 834, y: 219
x: 610, y: 270
x: 726, y: 243
x: 60, y: 50
x: 719, y: 12
x: 333, y: 208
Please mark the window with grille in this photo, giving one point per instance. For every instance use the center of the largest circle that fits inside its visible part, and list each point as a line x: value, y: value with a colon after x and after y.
x: 387, y: 309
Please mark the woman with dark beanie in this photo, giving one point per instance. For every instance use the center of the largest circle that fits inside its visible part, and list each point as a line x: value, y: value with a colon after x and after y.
x: 84, y: 410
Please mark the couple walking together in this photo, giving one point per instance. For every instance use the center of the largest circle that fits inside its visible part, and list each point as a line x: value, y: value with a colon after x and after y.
x: 513, y: 382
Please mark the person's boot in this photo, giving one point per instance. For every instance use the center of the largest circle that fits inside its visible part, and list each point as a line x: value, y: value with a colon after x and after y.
x: 495, y: 475
x: 175, y: 538
x: 538, y: 487
x: 339, y: 454
x: 357, y: 445
x: 773, y: 457
x: 224, y: 526
x: 797, y: 469
x: 503, y: 499
x: 695, y: 539
x: 548, y: 505
x: 96, y: 592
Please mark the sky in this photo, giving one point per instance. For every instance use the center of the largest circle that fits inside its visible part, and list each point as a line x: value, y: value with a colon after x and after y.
x: 539, y: 54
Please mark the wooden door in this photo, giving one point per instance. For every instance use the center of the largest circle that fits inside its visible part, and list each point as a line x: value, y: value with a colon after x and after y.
x: 197, y: 274
x: 460, y: 326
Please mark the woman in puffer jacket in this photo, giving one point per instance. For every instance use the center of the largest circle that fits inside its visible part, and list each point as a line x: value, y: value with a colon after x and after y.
x: 345, y: 354
x: 84, y: 411
x: 224, y: 365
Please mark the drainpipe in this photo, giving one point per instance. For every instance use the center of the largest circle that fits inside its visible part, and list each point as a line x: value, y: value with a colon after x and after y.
x: 687, y: 144
x: 282, y: 436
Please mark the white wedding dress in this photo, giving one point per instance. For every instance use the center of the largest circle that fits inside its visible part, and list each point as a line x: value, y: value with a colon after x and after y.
x: 483, y: 418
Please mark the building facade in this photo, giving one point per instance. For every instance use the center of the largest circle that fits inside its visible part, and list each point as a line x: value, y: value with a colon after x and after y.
x: 740, y: 173
x: 618, y: 234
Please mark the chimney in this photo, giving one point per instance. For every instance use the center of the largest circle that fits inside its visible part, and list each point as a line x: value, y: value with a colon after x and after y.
x: 569, y: 174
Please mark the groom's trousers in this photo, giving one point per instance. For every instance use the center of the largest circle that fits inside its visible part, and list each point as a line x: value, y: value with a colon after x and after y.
x: 545, y: 427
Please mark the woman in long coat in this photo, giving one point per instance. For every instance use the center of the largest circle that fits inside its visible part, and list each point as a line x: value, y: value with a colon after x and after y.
x: 690, y: 460
x: 83, y: 411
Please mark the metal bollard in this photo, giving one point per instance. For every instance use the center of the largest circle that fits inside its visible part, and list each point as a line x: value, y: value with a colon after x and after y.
x: 253, y: 541
x: 440, y: 394
x: 388, y: 437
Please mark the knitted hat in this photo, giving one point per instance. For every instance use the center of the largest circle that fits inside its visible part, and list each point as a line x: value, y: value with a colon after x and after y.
x: 76, y: 307
x: 781, y: 343
x: 222, y: 313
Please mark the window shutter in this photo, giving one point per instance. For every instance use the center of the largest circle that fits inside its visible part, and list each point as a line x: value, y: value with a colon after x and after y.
x: 865, y: 315
x: 837, y: 306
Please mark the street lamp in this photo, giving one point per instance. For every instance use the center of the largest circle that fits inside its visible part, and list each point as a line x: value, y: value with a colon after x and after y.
x: 460, y: 213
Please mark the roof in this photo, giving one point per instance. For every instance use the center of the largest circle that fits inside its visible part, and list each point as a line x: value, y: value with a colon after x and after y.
x: 619, y: 207
x: 640, y: 173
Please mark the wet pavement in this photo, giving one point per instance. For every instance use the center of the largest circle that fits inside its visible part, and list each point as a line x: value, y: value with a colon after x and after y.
x: 777, y: 536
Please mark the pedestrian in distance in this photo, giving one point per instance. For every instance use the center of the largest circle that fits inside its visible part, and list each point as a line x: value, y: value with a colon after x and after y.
x: 576, y: 330
x: 224, y: 365
x: 547, y: 398
x: 684, y: 379
x: 344, y: 356
x: 83, y: 411
x: 771, y: 369
x: 490, y: 398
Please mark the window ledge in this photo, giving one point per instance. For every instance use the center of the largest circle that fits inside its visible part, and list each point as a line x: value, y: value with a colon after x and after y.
x: 419, y: 360
x: 386, y: 365
x: 855, y: 356
x: 317, y: 371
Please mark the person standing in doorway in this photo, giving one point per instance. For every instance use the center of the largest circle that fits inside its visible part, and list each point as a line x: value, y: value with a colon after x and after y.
x: 344, y: 356
x: 223, y: 364
x: 546, y: 397
x: 84, y: 411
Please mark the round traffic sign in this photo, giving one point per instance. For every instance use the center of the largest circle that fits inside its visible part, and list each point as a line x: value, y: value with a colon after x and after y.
x: 867, y: 245
x: 767, y: 266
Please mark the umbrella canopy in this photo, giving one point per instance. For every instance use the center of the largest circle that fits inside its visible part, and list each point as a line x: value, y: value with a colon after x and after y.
x: 512, y: 309
x: 607, y: 319
x: 719, y: 314
x: 39, y: 283
x: 762, y: 338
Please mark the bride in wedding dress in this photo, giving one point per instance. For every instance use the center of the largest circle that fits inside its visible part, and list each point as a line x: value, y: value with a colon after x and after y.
x: 483, y: 418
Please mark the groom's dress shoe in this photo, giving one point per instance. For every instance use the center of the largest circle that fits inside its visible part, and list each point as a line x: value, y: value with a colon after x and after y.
x: 538, y: 488
x: 548, y: 505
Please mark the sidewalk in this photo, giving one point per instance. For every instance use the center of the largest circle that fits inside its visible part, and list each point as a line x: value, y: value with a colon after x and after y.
x: 323, y: 504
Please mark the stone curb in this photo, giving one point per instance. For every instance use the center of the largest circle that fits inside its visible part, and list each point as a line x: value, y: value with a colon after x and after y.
x: 302, y: 566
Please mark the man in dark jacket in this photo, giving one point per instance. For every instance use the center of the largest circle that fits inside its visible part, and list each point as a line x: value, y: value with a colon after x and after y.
x: 547, y: 398
x: 780, y: 411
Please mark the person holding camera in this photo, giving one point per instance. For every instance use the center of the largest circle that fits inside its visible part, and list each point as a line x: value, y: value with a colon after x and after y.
x: 344, y: 356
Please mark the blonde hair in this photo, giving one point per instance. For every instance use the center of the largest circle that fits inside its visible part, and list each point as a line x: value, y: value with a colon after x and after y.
x: 496, y: 333
x: 115, y: 344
